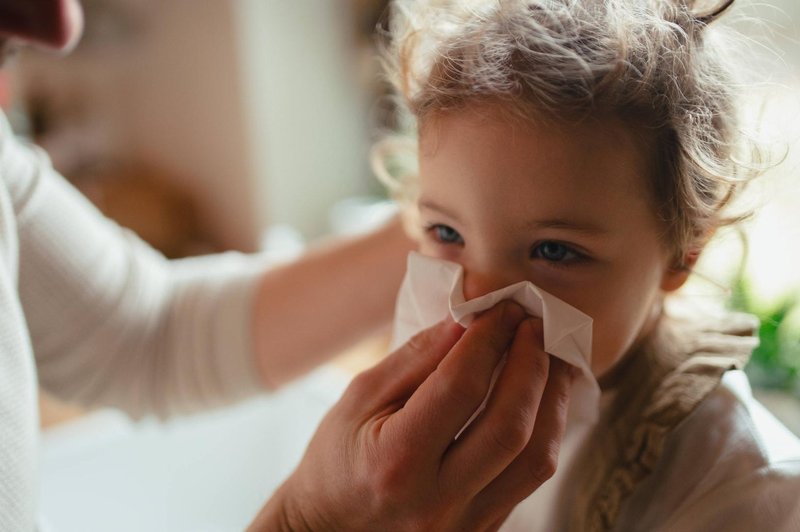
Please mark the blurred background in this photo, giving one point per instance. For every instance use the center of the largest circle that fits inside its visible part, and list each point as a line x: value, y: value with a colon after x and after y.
x: 246, y: 125
x: 204, y: 131
x: 208, y: 125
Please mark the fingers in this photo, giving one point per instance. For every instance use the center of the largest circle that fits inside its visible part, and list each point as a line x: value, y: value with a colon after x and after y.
x: 397, y: 376
x: 503, y: 429
x: 441, y: 406
x: 538, y: 461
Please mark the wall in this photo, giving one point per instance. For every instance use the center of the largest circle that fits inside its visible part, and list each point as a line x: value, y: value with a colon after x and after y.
x: 253, y: 105
x: 307, y: 119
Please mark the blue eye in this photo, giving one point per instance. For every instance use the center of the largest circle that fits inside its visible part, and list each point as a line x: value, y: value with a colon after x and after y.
x: 446, y: 234
x: 554, y: 252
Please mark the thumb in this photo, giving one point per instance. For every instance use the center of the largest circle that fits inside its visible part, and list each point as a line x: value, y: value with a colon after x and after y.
x: 396, y: 377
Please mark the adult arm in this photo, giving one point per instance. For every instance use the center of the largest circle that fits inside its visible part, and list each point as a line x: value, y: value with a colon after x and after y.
x: 312, y: 308
x: 112, y: 322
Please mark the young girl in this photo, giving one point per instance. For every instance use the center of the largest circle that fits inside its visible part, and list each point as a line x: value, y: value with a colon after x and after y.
x: 590, y: 147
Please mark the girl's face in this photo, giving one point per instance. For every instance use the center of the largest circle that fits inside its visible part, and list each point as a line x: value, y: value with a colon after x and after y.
x: 566, y: 207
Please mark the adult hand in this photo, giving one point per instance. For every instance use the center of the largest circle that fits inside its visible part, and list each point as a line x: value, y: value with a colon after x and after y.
x: 386, y: 458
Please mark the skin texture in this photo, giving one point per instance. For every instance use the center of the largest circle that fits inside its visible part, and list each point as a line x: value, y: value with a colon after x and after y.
x: 567, y: 207
x: 385, y: 457
x: 371, y: 266
x: 395, y: 464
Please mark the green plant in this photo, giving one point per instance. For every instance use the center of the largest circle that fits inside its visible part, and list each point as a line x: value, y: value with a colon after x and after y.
x: 776, y: 361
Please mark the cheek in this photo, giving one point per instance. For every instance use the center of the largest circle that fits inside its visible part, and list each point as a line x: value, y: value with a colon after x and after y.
x: 430, y: 248
x: 426, y: 247
x: 621, y: 318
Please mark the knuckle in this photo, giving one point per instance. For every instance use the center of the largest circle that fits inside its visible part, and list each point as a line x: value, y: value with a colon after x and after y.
x: 544, y: 465
x: 420, y: 342
x: 426, y: 345
x: 361, y: 386
x: 422, y: 521
x: 512, y: 436
x: 559, y: 400
x: 463, y: 388
x: 540, y: 367
x: 390, y: 479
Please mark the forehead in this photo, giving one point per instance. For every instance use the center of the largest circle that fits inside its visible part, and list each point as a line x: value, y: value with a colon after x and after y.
x: 598, y: 170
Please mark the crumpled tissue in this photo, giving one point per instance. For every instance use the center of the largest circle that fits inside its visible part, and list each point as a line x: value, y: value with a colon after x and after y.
x: 432, y: 288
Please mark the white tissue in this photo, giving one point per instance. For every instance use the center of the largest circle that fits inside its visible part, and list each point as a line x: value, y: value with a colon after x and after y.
x: 433, y: 288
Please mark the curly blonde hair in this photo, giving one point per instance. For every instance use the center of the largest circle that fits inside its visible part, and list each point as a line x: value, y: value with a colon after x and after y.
x: 656, y: 64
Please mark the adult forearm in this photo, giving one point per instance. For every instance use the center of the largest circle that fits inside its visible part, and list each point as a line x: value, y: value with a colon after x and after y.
x: 310, y: 309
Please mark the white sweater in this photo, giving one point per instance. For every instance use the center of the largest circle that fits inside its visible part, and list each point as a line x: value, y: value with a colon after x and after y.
x: 100, y: 318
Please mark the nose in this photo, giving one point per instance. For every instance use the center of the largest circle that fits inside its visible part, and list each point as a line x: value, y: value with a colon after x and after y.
x: 477, y: 283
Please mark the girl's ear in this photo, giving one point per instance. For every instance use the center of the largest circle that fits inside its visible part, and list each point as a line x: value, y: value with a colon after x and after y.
x: 676, y: 275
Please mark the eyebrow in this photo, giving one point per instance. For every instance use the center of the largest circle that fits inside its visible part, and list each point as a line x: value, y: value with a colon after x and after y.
x: 571, y: 225
x: 431, y: 205
x: 552, y: 223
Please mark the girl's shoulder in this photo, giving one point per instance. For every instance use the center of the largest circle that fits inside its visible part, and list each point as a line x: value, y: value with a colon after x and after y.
x: 729, y: 465
x: 735, y: 433
x: 682, y: 425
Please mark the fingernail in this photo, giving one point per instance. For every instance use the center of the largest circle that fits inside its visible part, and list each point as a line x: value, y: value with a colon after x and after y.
x: 449, y: 325
x: 456, y: 327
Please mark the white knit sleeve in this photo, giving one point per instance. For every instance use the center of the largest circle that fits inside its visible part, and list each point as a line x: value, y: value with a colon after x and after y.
x: 112, y: 322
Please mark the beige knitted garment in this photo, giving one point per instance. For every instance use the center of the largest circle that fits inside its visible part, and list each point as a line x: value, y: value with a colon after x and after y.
x: 660, y: 384
x: 103, y: 319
